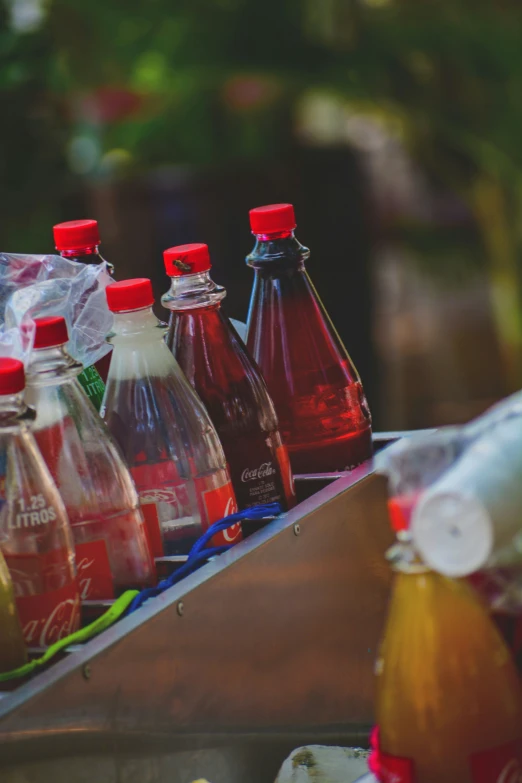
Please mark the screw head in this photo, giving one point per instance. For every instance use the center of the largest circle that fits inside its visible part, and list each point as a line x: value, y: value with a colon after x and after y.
x: 297, y: 529
x: 86, y: 671
x: 180, y: 608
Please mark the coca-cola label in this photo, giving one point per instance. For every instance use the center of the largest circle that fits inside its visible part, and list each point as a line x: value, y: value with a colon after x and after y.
x: 502, y: 764
x: 394, y: 769
x: 259, y: 483
x: 220, y: 502
x: 259, y: 469
x: 94, y: 571
x: 265, y: 470
x: 49, y: 617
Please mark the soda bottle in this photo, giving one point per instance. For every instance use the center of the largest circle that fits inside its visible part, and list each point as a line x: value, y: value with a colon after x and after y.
x: 12, y: 649
x: 226, y: 379
x: 323, y: 413
x: 79, y: 240
x: 164, y: 431
x: 449, y: 700
x: 37, y: 541
x: 112, y: 550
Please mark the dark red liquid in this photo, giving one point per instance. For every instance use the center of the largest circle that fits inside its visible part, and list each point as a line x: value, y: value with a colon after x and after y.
x: 234, y: 393
x: 319, y: 399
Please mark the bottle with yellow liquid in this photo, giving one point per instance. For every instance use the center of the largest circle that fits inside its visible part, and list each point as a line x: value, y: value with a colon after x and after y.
x: 12, y: 647
x: 449, y: 699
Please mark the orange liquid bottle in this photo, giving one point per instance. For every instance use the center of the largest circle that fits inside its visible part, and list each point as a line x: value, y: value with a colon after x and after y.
x: 449, y: 701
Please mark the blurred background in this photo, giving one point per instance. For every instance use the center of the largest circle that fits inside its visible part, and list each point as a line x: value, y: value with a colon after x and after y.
x: 394, y: 126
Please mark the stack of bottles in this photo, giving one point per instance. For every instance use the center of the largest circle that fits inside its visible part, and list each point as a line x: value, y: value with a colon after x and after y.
x: 106, y: 468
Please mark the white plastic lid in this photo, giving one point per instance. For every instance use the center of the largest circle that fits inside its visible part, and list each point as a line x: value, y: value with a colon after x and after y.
x: 453, y: 533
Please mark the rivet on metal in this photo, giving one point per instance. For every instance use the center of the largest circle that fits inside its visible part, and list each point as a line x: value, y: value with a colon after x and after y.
x: 297, y: 529
x: 86, y: 671
x: 180, y: 608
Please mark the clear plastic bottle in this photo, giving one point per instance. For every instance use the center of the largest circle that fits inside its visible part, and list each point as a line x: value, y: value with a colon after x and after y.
x: 79, y: 240
x: 318, y: 396
x: 36, y: 537
x: 163, y: 429
x: 112, y: 550
x: 449, y: 699
x: 227, y: 380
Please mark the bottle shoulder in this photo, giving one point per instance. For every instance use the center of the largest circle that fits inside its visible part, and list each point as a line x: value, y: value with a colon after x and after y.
x: 278, y: 254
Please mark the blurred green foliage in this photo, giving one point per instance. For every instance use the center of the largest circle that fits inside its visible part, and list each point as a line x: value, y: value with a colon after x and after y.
x: 454, y: 69
x: 92, y: 88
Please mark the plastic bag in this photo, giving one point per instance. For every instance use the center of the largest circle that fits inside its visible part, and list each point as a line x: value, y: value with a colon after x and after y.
x: 35, y: 286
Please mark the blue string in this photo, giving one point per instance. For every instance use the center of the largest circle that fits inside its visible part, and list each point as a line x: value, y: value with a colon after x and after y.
x: 200, y: 553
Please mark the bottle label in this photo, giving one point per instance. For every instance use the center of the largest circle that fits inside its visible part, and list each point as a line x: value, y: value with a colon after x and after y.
x: 260, y: 471
x: 502, y: 764
x: 48, y: 617
x: 94, y: 571
x: 92, y: 385
x: 259, y: 484
x: 219, y: 502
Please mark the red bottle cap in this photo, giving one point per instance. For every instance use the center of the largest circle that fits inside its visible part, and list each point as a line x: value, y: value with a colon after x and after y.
x: 76, y: 234
x: 272, y: 219
x: 397, y: 516
x: 186, y: 259
x: 50, y: 331
x: 12, y: 376
x: 129, y: 295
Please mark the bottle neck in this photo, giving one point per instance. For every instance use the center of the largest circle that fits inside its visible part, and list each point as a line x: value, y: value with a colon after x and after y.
x: 14, y: 411
x: 189, y: 292
x: 87, y: 255
x: 403, y: 556
x: 51, y: 365
x: 133, y: 323
x: 279, y: 251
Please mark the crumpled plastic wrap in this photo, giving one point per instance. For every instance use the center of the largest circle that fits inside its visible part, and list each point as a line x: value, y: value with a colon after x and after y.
x: 33, y: 286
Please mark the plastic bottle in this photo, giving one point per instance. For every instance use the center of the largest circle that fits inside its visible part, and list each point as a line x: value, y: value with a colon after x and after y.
x: 12, y: 647
x: 227, y: 380
x: 112, y: 550
x: 164, y: 431
x: 449, y: 700
x: 79, y: 240
x: 323, y: 413
x: 37, y: 540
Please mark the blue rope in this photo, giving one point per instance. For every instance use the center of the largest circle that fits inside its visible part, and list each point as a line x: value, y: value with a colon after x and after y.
x: 200, y: 553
